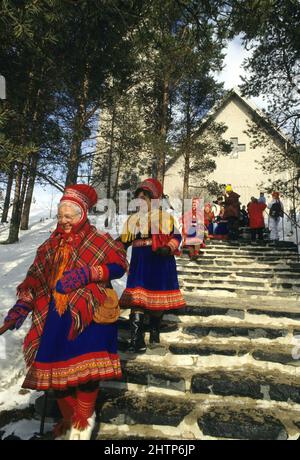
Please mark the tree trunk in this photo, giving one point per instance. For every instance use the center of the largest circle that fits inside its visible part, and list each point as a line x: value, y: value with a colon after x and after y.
x: 163, y: 132
x: 29, y: 193
x: 79, y: 124
x: 74, y: 158
x: 13, y: 236
x: 187, y: 150
x: 118, y: 171
x: 111, y: 151
x: 8, y: 194
x: 186, y: 177
x: 186, y: 154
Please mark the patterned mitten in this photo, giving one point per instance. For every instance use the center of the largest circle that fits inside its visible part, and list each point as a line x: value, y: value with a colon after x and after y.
x: 18, y: 313
x: 73, y: 279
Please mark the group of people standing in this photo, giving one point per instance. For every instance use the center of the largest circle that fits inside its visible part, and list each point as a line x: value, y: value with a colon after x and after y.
x: 72, y: 342
x: 225, y: 217
x: 256, y: 221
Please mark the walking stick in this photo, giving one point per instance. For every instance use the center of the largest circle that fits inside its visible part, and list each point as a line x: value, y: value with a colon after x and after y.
x: 44, y: 414
x: 6, y: 326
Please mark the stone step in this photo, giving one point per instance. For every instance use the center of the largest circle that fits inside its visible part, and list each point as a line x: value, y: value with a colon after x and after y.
x: 277, y: 353
x: 130, y: 408
x: 228, y: 379
x: 256, y: 385
x: 270, y: 350
x: 253, y: 332
x: 253, y: 247
x: 254, y: 254
x: 241, y: 279
x: 247, y: 272
x: 242, y: 244
x: 245, y: 257
x: 239, y: 294
x: 233, y: 319
x: 232, y: 310
x: 241, y: 264
x: 195, y: 331
x: 152, y: 416
x: 246, y: 288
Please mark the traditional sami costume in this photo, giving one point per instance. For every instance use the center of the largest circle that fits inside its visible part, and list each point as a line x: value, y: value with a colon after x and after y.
x: 152, y: 283
x: 71, y: 344
x: 64, y: 346
x: 193, y: 229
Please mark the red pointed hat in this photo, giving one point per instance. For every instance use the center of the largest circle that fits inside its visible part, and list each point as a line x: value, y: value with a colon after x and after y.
x: 83, y: 195
x: 153, y: 186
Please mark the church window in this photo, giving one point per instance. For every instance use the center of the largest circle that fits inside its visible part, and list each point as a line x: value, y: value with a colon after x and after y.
x: 236, y: 147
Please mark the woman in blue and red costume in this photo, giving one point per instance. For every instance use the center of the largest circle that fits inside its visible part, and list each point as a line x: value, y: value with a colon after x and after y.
x: 65, y: 349
x: 193, y: 229
x: 152, y: 284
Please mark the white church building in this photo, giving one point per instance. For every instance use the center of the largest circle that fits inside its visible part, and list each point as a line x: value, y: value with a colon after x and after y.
x: 241, y: 167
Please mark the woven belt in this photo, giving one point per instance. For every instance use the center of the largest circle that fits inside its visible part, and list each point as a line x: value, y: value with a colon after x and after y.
x: 142, y: 243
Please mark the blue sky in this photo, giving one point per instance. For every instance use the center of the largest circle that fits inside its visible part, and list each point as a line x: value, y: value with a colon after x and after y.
x: 231, y: 74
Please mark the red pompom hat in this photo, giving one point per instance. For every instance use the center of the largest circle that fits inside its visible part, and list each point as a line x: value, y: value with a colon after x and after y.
x: 153, y: 186
x: 83, y: 195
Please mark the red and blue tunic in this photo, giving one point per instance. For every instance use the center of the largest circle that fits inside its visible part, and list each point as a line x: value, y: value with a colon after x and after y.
x: 152, y: 282
x: 68, y: 348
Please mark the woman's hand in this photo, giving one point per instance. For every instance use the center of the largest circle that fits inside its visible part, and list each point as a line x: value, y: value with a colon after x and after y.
x: 18, y: 313
x: 73, y: 279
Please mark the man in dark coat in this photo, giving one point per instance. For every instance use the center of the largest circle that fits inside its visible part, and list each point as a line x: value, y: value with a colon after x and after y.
x: 232, y: 212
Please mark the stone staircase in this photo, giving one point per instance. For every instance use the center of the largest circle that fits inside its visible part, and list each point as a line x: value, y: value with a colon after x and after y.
x: 229, y: 368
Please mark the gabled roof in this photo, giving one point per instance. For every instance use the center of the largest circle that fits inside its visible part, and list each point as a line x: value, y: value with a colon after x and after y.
x: 258, y: 116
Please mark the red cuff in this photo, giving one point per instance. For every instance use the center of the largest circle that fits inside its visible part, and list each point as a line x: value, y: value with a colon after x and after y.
x: 99, y: 273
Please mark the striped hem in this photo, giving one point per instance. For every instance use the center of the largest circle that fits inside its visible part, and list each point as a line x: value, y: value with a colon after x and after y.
x: 152, y: 300
x: 73, y: 372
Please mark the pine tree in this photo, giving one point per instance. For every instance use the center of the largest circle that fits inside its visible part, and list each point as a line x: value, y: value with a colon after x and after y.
x: 271, y: 30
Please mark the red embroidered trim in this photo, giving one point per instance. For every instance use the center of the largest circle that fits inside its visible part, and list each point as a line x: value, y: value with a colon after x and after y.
x: 152, y: 300
x: 82, y: 369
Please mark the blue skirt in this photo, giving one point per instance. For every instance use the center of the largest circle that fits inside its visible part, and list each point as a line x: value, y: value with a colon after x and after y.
x: 62, y: 363
x: 152, y: 281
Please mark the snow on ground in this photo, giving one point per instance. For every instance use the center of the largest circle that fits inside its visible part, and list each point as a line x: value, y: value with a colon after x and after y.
x: 24, y: 429
x: 14, y: 261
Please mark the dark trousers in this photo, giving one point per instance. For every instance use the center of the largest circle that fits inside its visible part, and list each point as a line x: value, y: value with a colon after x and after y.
x: 233, y: 228
x: 258, y: 232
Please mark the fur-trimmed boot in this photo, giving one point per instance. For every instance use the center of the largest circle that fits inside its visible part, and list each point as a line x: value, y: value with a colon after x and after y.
x: 84, y: 417
x: 85, y: 434
x: 137, y: 339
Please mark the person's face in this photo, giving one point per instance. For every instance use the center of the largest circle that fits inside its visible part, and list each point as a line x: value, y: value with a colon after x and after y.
x: 143, y: 196
x: 67, y: 217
